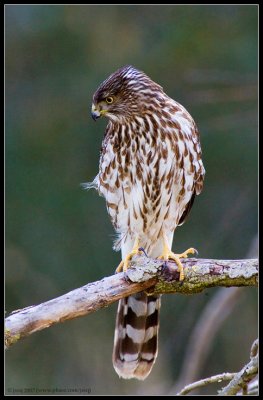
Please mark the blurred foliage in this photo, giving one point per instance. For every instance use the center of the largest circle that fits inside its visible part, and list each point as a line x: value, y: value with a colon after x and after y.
x: 59, y: 237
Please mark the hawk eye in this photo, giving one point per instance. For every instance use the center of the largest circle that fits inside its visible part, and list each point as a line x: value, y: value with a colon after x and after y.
x: 109, y: 100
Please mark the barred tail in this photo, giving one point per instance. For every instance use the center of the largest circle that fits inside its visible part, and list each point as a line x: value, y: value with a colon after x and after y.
x: 136, y: 336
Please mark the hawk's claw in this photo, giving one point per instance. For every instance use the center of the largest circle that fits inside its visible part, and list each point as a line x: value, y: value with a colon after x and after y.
x: 124, y: 264
x: 167, y: 254
x: 142, y: 249
x: 195, y: 252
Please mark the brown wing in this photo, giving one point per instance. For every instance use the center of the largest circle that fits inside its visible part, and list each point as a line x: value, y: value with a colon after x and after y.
x: 187, y: 210
x: 199, y: 173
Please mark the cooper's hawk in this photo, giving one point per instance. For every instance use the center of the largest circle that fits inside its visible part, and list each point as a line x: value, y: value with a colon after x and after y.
x: 150, y: 171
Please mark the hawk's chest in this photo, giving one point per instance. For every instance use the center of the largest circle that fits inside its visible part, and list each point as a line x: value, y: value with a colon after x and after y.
x: 133, y: 158
x: 143, y: 180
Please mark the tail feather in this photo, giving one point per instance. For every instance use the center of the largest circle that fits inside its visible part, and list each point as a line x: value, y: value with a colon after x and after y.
x: 136, y: 336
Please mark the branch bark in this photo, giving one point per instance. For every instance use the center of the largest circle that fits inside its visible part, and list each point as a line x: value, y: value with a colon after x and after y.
x: 238, y: 380
x: 225, y: 376
x: 216, y: 311
x: 242, y: 378
x: 143, y: 273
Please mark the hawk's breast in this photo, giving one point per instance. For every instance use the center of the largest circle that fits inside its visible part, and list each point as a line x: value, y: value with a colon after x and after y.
x: 148, y: 172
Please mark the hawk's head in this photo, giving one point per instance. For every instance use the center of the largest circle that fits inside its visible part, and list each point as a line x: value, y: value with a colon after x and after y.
x: 123, y: 94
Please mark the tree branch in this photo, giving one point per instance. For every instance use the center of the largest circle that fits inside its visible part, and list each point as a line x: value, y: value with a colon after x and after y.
x: 215, y: 312
x: 211, y: 319
x: 242, y: 378
x: 142, y: 274
x: 225, y: 376
x: 238, y: 380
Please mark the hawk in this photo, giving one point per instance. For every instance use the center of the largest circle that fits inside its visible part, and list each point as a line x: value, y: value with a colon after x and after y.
x: 149, y: 173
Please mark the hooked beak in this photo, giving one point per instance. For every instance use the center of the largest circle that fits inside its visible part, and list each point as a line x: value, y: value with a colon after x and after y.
x: 95, y: 113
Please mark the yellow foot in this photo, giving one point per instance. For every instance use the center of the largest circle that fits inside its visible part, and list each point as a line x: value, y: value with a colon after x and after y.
x: 124, y: 264
x: 169, y: 255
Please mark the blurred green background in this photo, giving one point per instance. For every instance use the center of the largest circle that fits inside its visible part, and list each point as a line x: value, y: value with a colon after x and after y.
x: 59, y: 237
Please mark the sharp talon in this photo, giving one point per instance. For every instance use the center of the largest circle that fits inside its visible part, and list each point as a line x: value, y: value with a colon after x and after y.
x: 181, y: 283
x: 167, y: 254
x: 164, y: 265
x: 124, y: 264
x: 142, y: 249
x: 193, y: 251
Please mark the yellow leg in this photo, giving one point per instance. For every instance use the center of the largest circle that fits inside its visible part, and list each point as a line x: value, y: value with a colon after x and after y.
x: 125, y: 263
x: 167, y: 254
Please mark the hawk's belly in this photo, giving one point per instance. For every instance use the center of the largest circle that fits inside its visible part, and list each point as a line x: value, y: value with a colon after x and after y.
x: 146, y: 197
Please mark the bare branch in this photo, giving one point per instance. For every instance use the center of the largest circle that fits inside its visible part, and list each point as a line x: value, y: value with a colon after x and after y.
x: 213, y: 316
x: 238, y: 380
x: 252, y: 387
x: 242, y: 378
x: 226, y: 376
x: 143, y: 273
x: 197, y: 350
